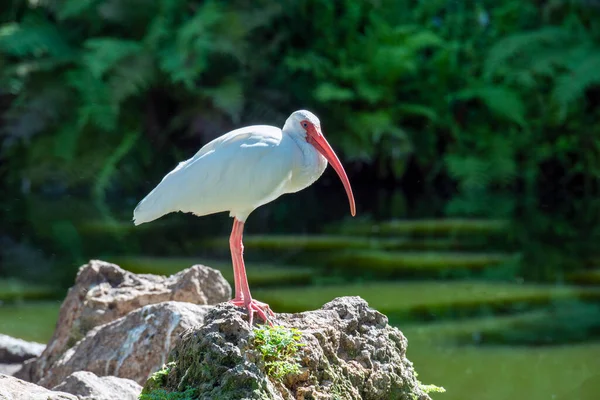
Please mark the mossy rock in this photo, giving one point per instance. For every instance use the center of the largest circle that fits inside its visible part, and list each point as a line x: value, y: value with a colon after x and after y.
x: 345, y: 349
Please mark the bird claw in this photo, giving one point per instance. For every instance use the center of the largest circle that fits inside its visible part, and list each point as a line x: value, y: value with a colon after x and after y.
x: 254, y: 306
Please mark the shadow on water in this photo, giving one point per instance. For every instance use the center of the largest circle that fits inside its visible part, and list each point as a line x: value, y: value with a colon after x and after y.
x: 480, y: 320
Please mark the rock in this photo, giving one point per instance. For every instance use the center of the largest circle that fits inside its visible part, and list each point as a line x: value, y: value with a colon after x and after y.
x: 104, y: 292
x: 13, y: 350
x: 349, y: 352
x: 132, y: 347
x: 12, y: 388
x: 10, y: 369
x: 88, y: 386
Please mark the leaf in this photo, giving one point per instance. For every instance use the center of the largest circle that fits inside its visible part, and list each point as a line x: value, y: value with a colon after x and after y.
x: 104, y: 53
x: 131, y: 77
x: 326, y: 92
x: 571, y: 86
x: 110, y: 165
x: 74, y: 8
x: 522, y: 44
x: 418, y: 110
x: 470, y: 171
x: 96, y: 103
x: 502, y: 101
x: 423, y: 40
x: 35, y: 36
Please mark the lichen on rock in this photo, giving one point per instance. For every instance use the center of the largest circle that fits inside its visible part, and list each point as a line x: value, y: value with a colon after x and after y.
x: 348, y: 351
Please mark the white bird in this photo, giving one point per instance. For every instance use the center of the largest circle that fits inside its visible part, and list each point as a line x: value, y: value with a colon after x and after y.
x: 239, y: 172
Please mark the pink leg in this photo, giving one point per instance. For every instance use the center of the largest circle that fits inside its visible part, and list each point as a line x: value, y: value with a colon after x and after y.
x: 242, y: 290
x: 236, y: 270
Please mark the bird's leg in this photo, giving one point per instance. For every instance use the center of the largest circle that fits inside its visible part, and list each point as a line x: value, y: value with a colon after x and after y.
x: 242, y: 290
x: 238, y: 299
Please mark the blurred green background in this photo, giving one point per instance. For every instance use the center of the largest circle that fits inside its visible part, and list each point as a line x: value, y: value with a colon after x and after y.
x: 469, y: 130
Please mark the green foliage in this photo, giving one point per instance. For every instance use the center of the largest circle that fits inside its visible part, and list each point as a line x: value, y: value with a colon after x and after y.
x: 158, y: 380
x: 162, y: 394
x: 431, y: 388
x: 484, y: 99
x: 278, y: 346
x: 154, y: 387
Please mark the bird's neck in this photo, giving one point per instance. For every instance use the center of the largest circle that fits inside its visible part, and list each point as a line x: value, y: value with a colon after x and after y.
x: 309, y: 164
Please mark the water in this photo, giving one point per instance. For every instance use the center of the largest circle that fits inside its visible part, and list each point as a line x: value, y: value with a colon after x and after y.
x: 567, y: 372
x: 476, y: 323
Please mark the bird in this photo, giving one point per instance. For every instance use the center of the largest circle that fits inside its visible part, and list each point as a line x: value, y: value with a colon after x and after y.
x: 239, y: 172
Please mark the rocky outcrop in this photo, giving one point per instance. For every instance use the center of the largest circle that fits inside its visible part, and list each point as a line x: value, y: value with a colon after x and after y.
x: 104, y: 292
x: 132, y: 347
x: 345, y: 350
x: 13, y: 350
x: 10, y: 369
x: 12, y: 388
x: 87, y: 386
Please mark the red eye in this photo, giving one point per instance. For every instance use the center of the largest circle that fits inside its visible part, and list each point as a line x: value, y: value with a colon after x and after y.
x: 305, y: 124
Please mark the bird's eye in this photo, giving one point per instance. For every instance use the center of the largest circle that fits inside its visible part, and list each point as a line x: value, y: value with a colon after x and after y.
x: 305, y: 124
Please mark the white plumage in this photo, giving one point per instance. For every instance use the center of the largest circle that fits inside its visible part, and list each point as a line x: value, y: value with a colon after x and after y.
x: 237, y: 172
x: 240, y: 171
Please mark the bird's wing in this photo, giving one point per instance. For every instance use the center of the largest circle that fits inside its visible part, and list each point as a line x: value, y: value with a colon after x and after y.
x: 236, y: 172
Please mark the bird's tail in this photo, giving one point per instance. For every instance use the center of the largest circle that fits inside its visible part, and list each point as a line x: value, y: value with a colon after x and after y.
x: 148, y: 209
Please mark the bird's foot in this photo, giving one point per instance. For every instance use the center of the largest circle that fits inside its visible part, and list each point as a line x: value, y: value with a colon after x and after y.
x: 254, y: 306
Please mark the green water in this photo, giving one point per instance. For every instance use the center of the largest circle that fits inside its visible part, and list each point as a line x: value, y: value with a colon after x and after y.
x: 477, y: 322
x: 569, y: 372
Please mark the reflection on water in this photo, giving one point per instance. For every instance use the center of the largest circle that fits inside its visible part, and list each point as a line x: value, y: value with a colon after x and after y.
x: 477, y: 323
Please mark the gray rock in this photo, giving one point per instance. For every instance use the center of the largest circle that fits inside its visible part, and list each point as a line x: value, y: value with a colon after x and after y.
x: 132, y: 347
x: 12, y: 388
x: 10, y: 369
x: 349, y: 352
x: 104, y: 292
x: 89, y: 386
x: 13, y: 350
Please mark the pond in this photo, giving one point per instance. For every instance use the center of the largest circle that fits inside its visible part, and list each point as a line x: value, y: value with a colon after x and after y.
x: 455, y: 286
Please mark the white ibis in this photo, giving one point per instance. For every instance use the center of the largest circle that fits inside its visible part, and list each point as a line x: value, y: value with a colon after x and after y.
x: 239, y: 172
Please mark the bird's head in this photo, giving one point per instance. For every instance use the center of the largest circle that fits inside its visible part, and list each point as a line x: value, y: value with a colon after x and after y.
x: 308, y: 125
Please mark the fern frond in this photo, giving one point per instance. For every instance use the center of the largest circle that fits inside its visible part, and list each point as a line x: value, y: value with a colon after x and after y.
x: 327, y: 92
x: 97, y: 106
x: 35, y: 36
x: 522, y: 45
x: 471, y: 172
x: 131, y: 77
x: 110, y: 165
x: 571, y: 86
x: 502, y: 101
x: 103, y: 53
x: 73, y: 8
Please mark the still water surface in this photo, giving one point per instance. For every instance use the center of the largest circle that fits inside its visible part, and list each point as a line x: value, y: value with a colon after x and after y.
x: 474, y: 325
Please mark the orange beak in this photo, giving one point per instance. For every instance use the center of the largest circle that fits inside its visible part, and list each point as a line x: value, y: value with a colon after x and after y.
x: 316, y: 138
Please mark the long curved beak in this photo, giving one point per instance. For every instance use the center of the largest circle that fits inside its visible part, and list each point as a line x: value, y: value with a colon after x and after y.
x: 316, y: 138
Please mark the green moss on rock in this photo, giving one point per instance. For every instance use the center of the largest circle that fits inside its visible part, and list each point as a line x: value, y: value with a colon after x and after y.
x: 345, y: 350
